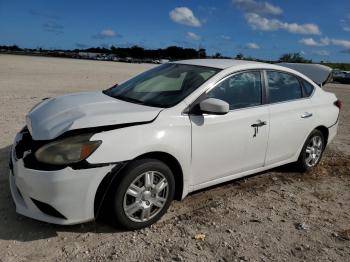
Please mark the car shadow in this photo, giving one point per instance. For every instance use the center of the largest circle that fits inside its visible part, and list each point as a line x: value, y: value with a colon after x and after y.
x: 19, y: 228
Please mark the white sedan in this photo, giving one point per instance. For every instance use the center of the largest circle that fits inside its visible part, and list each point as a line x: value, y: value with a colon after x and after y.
x: 130, y: 150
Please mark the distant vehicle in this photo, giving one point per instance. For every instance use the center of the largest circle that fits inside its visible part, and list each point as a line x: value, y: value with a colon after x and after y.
x: 156, y: 61
x: 174, y: 129
x: 126, y: 59
x: 163, y: 61
x: 342, y: 77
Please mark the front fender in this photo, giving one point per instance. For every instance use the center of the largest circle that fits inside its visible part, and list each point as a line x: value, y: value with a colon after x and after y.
x: 168, y: 134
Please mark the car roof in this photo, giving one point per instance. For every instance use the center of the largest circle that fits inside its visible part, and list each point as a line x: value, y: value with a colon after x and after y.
x: 316, y: 73
x: 217, y: 63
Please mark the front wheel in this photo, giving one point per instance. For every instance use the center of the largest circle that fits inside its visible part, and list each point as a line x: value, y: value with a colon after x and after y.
x: 312, y: 151
x: 144, y: 194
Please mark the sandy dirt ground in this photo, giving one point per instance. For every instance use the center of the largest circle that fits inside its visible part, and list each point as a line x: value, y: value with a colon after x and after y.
x: 279, y: 215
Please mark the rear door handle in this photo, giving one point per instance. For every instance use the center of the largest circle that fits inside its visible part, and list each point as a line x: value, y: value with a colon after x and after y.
x: 306, y: 115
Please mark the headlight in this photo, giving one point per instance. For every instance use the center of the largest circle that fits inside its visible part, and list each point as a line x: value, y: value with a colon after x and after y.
x: 67, y: 151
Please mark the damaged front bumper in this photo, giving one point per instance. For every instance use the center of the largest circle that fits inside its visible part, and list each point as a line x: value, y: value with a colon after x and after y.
x: 65, y: 196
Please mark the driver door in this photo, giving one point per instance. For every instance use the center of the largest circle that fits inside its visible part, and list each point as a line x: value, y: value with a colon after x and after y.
x: 224, y: 146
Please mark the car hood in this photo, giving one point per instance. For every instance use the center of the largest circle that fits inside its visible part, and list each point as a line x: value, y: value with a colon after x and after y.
x: 55, y: 116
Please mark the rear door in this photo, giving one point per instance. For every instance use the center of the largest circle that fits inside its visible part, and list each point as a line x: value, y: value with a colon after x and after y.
x: 224, y: 145
x: 291, y: 115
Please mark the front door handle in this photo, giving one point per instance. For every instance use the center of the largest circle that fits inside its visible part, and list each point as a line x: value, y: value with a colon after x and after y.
x: 306, y: 115
x: 257, y: 125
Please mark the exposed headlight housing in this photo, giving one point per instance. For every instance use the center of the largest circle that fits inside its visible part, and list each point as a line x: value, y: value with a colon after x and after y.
x: 68, y: 150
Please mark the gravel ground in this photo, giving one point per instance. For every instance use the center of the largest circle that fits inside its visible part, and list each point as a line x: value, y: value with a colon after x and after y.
x: 279, y: 215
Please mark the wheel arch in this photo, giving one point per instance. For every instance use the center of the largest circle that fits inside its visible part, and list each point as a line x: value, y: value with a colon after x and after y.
x: 173, y: 164
x: 102, y: 193
x: 325, y: 132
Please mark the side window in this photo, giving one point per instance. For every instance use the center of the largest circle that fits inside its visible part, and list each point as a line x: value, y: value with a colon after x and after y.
x: 240, y: 90
x: 308, y: 88
x: 283, y: 87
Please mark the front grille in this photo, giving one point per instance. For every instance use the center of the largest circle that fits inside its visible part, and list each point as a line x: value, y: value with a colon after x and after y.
x: 47, y: 209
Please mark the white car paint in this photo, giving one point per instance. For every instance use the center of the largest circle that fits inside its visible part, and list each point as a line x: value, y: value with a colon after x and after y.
x: 57, y: 115
x: 214, y: 155
x: 209, y: 148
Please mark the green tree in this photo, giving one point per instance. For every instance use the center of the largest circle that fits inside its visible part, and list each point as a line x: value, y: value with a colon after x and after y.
x: 239, y: 56
x: 202, y: 53
x: 293, y: 58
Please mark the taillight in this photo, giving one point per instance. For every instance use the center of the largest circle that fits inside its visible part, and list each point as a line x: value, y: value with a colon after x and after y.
x: 338, y: 104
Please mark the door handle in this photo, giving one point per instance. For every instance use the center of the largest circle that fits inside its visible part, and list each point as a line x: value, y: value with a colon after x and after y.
x: 306, y: 115
x: 259, y: 124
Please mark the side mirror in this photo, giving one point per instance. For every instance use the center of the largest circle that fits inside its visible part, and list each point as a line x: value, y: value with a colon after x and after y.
x: 214, y: 106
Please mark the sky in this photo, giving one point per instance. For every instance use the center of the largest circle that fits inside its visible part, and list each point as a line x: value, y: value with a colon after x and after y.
x: 318, y: 29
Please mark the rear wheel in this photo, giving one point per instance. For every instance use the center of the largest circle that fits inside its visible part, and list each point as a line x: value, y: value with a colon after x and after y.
x: 143, y: 194
x: 312, y: 151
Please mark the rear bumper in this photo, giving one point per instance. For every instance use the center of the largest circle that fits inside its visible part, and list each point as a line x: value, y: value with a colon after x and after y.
x: 69, y: 192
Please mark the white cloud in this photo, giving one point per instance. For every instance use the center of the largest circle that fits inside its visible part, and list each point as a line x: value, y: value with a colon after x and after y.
x: 346, y: 27
x: 192, y: 36
x: 253, y: 46
x: 226, y: 37
x: 325, y: 42
x: 107, y: 33
x: 341, y: 42
x: 258, y: 22
x: 258, y: 7
x: 306, y: 29
x: 184, y: 16
x: 310, y: 42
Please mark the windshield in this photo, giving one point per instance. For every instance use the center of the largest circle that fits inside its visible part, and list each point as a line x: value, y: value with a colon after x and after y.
x: 163, y: 86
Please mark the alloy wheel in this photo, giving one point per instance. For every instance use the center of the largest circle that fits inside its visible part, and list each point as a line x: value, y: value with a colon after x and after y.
x: 146, y: 196
x: 314, y: 151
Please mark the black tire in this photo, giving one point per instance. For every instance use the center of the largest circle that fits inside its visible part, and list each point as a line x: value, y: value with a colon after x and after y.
x: 133, y: 171
x: 303, y: 164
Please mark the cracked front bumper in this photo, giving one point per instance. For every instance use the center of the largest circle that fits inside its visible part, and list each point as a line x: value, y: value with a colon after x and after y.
x: 69, y: 192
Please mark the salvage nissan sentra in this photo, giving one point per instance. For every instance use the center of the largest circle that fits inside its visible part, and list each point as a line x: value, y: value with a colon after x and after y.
x: 174, y: 129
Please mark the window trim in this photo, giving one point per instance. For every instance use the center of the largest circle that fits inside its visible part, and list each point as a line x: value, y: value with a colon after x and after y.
x: 286, y: 101
x: 265, y: 90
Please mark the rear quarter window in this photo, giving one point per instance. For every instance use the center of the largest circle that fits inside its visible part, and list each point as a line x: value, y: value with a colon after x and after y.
x: 308, y: 88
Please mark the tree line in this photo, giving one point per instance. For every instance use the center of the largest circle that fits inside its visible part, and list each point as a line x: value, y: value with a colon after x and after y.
x: 171, y: 53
